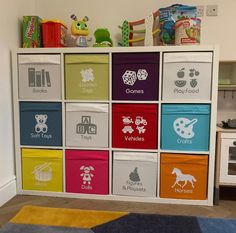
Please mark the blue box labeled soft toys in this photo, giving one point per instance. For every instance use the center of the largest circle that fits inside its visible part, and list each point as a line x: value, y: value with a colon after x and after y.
x: 40, y: 124
x: 185, y: 127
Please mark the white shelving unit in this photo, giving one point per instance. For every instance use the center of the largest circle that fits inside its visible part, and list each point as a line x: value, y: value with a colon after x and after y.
x: 161, y: 50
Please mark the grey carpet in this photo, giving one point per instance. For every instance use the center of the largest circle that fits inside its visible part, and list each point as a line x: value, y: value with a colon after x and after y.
x: 28, y: 228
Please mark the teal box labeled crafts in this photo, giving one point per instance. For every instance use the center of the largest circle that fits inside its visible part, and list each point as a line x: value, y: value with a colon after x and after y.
x: 185, y: 127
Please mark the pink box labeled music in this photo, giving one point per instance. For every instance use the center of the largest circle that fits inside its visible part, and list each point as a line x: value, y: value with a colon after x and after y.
x: 87, y: 171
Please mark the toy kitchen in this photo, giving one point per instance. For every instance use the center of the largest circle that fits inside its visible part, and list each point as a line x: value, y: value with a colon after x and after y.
x: 226, y: 128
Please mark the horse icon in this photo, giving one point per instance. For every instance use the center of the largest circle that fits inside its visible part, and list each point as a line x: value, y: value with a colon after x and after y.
x: 182, y: 177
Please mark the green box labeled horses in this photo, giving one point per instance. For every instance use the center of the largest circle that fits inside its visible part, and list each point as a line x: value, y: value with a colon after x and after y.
x: 86, y: 76
x: 31, y: 32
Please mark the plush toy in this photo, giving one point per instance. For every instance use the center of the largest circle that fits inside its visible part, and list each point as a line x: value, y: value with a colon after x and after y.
x: 102, y: 38
x: 80, y: 29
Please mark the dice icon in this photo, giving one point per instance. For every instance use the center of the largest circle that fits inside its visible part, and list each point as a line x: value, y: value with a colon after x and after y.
x: 129, y: 77
x: 142, y: 74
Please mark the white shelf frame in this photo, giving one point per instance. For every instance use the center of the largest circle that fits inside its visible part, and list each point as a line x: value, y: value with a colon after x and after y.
x: 158, y: 49
x: 232, y: 161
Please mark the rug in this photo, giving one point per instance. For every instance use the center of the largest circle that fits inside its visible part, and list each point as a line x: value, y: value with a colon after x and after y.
x: 34, y: 219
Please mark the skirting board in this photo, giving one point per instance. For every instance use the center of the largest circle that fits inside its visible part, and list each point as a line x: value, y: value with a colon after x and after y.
x: 7, y: 191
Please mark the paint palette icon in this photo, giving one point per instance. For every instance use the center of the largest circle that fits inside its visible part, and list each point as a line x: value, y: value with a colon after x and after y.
x: 184, y: 127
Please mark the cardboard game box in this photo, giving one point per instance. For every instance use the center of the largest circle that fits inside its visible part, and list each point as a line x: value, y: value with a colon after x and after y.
x: 31, y: 32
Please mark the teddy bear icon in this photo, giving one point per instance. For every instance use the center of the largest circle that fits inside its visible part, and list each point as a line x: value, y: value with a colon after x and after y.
x: 41, y: 123
x: 87, y: 175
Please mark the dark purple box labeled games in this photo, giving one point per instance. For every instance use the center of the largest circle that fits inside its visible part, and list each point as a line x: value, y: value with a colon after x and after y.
x: 135, y: 76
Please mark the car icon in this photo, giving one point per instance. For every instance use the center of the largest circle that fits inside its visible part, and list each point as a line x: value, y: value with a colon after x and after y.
x: 127, y: 129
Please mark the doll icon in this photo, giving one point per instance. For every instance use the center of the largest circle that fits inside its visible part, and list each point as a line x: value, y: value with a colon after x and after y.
x: 87, y: 175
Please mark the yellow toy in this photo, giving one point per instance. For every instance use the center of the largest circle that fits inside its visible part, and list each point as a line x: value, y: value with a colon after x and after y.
x: 80, y: 29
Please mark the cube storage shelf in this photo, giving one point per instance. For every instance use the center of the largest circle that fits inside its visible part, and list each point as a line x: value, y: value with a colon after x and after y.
x: 131, y: 124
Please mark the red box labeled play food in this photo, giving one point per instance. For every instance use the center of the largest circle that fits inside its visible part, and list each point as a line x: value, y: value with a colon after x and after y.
x: 53, y: 33
x: 87, y: 171
x: 134, y: 126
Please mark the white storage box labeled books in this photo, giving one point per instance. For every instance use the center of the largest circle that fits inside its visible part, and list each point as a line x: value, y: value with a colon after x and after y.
x: 135, y: 174
x: 39, y: 77
x: 87, y: 125
x: 187, y: 76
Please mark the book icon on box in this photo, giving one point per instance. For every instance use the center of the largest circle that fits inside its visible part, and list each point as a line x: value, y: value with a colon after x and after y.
x: 38, y: 78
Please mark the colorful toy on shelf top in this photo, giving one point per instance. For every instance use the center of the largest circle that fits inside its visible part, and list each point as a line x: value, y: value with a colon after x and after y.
x: 149, y: 33
x: 31, y: 31
x: 187, y: 31
x: 168, y: 17
x: 102, y: 38
x: 54, y: 33
x: 80, y: 29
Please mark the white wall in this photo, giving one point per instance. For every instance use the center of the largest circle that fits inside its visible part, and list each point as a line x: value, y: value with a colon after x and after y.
x: 110, y: 14
x: 11, y: 13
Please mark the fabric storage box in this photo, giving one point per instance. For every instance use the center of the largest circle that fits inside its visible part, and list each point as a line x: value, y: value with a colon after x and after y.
x: 42, y: 170
x: 87, y: 171
x: 134, y: 126
x: 187, y: 76
x: 185, y: 127
x: 135, y: 76
x: 86, y: 76
x: 39, y: 77
x: 40, y: 124
x: 135, y: 174
x: 184, y: 176
x: 87, y: 125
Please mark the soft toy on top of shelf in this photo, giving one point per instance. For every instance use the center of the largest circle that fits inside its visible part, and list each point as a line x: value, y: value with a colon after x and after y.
x: 102, y: 38
x: 80, y: 29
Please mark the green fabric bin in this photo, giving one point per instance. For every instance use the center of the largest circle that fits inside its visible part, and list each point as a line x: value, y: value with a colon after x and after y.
x: 86, y: 76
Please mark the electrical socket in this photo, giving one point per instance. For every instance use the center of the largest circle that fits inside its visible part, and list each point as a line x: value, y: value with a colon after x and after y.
x: 212, y: 10
x: 200, y: 11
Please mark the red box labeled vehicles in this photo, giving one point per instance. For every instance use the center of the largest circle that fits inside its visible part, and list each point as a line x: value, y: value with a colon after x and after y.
x: 134, y: 126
